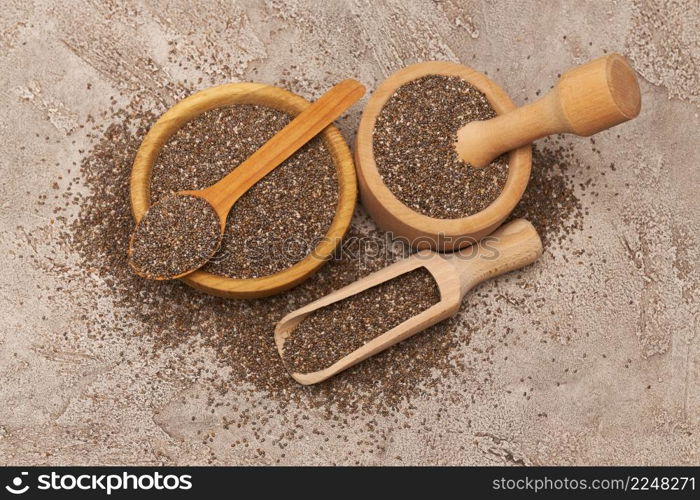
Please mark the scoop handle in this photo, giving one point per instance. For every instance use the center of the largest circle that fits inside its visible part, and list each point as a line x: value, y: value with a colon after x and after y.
x: 515, y: 245
x: 283, y: 144
x: 587, y: 99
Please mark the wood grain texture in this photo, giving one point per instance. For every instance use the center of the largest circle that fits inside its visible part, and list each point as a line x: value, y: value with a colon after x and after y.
x: 264, y: 95
x: 513, y: 246
x: 419, y: 229
x: 587, y: 99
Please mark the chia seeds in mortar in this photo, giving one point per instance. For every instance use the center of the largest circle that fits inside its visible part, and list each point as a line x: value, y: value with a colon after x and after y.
x: 413, y: 141
x: 279, y: 220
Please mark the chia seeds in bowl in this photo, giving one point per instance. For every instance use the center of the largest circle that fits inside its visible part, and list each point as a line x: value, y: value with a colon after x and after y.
x: 281, y: 219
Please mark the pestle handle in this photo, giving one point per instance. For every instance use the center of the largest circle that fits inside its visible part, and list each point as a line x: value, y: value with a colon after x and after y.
x: 515, y: 245
x: 587, y: 99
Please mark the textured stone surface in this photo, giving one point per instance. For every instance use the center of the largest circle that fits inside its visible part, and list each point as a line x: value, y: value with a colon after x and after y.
x: 619, y: 381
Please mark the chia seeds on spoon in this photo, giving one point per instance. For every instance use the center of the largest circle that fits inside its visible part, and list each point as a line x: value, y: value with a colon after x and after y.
x: 413, y: 141
x: 176, y: 235
x: 331, y: 333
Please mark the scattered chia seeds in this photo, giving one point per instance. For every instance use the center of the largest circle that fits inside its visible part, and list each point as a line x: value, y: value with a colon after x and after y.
x: 549, y: 202
x: 279, y: 220
x: 329, y: 334
x: 176, y: 235
x: 413, y: 141
x: 238, y: 333
x: 224, y: 349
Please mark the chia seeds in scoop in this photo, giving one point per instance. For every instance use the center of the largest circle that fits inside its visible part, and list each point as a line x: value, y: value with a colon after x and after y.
x: 331, y: 333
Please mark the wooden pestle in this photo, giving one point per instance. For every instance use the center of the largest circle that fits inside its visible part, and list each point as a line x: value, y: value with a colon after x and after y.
x: 587, y: 99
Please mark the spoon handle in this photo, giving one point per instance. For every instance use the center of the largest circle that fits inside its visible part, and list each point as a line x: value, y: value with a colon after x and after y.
x: 513, y: 246
x: 286, y: 142
x: 587, y: 99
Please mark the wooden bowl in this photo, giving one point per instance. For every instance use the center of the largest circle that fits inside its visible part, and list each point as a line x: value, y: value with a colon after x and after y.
x: 272, y: 97
x: 421, y: 230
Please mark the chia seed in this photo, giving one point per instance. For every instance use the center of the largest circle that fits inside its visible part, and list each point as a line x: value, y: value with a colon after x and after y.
x: 330, y: 333
x: 413, y: 141
x: 176, y: 235
x: 279, y: 220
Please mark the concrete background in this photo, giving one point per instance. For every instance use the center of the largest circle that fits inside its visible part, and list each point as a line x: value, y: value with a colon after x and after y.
x: 625, y: 388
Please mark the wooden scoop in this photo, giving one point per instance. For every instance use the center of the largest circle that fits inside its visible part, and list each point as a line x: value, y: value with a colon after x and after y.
x: 587, y: 99
x: 513, y: 246
x: 223, y: 194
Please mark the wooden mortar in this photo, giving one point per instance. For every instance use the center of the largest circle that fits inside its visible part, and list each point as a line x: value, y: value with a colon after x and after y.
x: 587, y: 99
x: 418, y: 229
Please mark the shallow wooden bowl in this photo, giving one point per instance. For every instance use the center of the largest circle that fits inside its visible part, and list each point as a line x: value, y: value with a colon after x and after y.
x: 264, y: 95
x: 404, y: 222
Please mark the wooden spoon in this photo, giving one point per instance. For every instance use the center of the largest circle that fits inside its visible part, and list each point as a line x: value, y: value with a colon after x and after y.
x: 513, y: 246
x: 223, y: 194
x: 587, y: 99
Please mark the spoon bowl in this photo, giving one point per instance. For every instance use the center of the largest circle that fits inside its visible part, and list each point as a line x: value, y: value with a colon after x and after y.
x: 178, y: 234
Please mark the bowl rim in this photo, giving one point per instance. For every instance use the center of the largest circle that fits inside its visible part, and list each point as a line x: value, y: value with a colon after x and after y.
x: 372, y: 184
x: 270, y: 96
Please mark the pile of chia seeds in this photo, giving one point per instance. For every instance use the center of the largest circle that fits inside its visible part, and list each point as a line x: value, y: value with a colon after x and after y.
x: 228, y: 344
x: 413, y: 141
x: 330, y: 333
